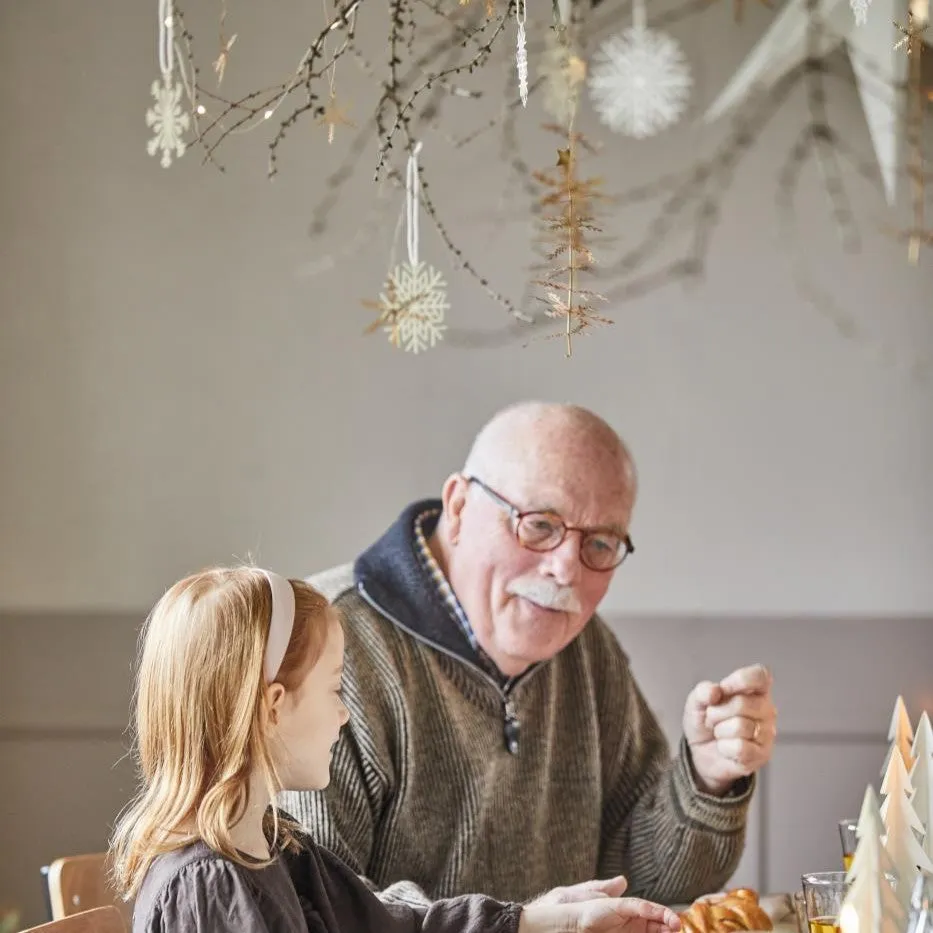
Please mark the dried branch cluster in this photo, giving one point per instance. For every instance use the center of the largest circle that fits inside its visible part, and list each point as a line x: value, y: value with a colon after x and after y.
x: 427, y: 58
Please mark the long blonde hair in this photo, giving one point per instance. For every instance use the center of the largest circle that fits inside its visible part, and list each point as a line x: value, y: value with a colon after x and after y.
x: 200, y: 714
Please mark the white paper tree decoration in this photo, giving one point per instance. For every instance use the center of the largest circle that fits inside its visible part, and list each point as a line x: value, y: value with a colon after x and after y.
x: 897, y: 786
x: 900, y: 822
x: 639, y: 81
x: 870, y: 828
x: 871, y: 905
x: 921, y: 776
x: 900, y: 734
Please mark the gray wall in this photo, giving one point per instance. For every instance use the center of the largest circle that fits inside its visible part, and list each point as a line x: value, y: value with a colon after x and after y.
x: 178, y: 388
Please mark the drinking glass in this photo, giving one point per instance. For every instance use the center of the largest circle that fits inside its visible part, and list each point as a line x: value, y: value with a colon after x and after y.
x: 849, y: 841
x: 823, y: 894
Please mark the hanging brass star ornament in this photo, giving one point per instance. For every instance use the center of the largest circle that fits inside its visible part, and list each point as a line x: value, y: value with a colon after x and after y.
x: 333, y: 116
x: 220, y: 65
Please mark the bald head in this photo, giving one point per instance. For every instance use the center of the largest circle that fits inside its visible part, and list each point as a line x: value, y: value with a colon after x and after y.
x: 567, y: 440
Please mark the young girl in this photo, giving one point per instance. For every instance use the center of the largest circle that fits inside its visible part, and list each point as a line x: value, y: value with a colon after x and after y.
x: 238, y: 698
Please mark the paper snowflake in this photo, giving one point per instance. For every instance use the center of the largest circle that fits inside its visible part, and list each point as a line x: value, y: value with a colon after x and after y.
x: 413, y: 306
x: 168, y: 120
x: 639, y: 82
x: 860, y: 11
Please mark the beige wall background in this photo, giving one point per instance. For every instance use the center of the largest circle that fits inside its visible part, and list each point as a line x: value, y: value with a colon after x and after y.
x: 178, y: 387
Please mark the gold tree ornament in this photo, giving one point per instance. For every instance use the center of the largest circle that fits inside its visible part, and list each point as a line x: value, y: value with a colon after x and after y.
x: 567, y: 204
x: 413, y: 303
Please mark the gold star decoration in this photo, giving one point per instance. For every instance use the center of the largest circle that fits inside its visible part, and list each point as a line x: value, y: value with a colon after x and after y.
x: 220, y: 65
x: 333, y: 116
x: 914, y: 30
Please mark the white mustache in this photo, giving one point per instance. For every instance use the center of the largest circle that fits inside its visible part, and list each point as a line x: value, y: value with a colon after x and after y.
x: 543, y: 591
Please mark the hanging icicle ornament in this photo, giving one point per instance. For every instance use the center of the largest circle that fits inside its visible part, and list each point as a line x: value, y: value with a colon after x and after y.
x: 166, y: 117
x: 860, y: 11
x: 639, y: 81
x: 521, y: 51
x: 414, y: 302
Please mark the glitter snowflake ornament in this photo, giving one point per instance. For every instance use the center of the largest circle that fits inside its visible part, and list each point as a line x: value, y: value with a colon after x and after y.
x: 414, y: 304
x: 639, y: 81
x: 168, y: 121
x: 167, y: 118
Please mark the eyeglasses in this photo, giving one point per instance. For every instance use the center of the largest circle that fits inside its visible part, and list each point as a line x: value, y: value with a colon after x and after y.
x: 600, y: 549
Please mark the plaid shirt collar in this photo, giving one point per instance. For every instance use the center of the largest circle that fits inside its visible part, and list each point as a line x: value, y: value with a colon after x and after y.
x: 429, y: 518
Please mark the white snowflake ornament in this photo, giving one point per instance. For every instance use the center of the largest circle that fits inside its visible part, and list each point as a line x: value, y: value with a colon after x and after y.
x: 639, y: 81
x: 414, y: 301
x: 414, y: 304
x: 168, y: 120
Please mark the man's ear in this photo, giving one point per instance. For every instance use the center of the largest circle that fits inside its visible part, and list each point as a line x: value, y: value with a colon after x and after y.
x: 453, y: 499
x: 275, y: 697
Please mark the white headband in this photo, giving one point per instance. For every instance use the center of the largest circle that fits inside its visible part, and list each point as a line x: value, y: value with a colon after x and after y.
x: 280, y: 628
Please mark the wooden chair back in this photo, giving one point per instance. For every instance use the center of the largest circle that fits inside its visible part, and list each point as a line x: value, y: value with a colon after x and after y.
x: 97, y: 920
x: 78, y: 883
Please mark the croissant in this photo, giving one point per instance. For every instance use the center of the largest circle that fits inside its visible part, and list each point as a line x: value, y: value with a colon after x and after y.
x: 736, y: 910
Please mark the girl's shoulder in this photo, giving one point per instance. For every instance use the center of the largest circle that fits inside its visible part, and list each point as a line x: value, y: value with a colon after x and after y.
x: 194, y: 889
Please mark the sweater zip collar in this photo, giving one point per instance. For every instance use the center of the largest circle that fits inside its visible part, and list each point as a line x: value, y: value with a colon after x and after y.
x: 511, y: 724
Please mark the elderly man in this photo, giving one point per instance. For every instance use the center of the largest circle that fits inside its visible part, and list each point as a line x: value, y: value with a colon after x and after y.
x: 497, y: 741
